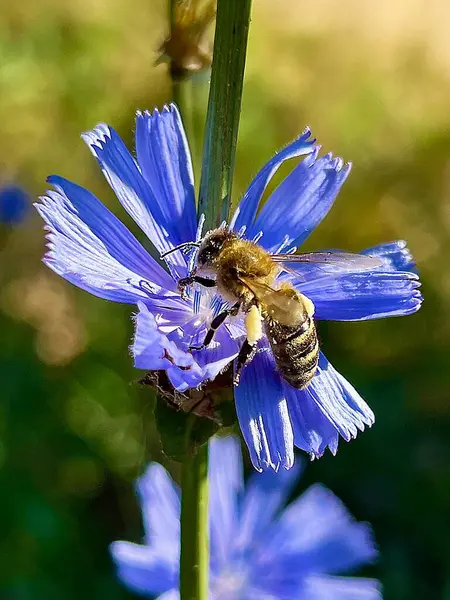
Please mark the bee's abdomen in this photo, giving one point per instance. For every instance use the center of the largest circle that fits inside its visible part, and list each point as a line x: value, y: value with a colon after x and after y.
x: 295, y: 349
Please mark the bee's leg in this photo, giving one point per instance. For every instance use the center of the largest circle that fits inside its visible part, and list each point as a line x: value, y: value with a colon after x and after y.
x: 253, y: 326
x: 215, y: 324
x: 246, y: 354
x: 185, y: 281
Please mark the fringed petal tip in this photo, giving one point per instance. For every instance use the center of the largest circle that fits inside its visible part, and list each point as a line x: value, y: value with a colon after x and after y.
x: 328, y: 408
x: 311, y: 419
x: 395, y: 255
x: 167, y: 109
x: 246, y: 211
x: 332, y: 446
x: 42, y: 206
x: 362, y: 295
x: 327, y: 161
x: 91, y: 248
x: 312, y: 157
x: 102, y: 131
x: 164, y: 159
x: 301, y: 201
x: 156, y: 187
x: 263, y: 414
x: 416, y: 301
x: 306, y: 136
x: 305, y: 139
x: 97, y: 137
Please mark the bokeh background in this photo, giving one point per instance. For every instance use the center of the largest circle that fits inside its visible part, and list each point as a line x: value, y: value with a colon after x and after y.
x: 373, y: 82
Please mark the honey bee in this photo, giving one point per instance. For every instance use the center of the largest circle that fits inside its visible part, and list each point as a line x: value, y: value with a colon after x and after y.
x: 245, y: 275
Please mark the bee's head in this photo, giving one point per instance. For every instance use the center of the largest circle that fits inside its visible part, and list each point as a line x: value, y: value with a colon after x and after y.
x: 212, y: 245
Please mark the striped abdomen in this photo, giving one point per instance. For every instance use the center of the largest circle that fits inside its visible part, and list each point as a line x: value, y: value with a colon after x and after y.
x: 295, y: 349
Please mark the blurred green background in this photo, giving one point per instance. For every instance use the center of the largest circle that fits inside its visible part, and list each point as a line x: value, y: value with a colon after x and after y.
x: 373, y: 82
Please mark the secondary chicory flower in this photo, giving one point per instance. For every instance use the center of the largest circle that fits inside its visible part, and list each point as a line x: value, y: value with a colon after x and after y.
x: 91, y: 248
x: 258, y: 550
x: 14, y: 204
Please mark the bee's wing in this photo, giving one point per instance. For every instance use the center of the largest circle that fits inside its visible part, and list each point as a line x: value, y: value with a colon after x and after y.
x: 327, y: 262
x: 341, y: 259
x: 279, y: 305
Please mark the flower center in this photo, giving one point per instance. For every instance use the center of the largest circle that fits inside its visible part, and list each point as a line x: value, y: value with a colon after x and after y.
x: 229, y: 585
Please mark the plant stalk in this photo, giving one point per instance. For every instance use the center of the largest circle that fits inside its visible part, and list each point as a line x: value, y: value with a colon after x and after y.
x: 194, y: 557
x: 194, y: 546
x: 222, y: 122
x: 224, y: 107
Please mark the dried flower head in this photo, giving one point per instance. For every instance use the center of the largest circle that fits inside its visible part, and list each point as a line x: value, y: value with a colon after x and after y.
x: 187, y: 49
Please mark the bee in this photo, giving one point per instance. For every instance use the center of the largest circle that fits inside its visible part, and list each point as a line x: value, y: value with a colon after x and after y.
x: 245, y: 275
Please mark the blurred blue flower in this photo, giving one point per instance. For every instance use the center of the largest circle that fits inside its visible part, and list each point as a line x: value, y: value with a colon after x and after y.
x: 258, y: 550
x: 90, y: 247
x: 14, y: 204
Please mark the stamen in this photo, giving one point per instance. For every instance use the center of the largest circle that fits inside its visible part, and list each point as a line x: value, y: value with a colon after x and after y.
x: 242, y: 231
x: 286, y: 241
x: 215, y: 304
x: 235, y: 216
x: 192, y: 261
x: 143, y: 286
x: 218, y: 305
x: 257, y: 237
x: 201, y: 222
x: 197, y: 301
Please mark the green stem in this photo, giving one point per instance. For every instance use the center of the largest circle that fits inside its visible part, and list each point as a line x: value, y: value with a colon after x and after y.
x: 194, y: 557
x: 224, y: 106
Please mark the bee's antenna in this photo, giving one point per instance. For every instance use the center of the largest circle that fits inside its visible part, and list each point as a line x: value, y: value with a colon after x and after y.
x: 180, y: 247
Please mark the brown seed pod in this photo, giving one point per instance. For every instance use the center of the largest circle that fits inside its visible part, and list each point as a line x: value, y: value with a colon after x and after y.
x: 186, y: 48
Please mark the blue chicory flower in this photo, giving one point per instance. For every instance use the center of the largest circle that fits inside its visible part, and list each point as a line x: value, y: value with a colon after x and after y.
x: 258, y: 550
x: 14, y: 204
x: 91, y: 248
